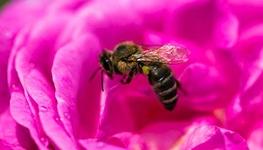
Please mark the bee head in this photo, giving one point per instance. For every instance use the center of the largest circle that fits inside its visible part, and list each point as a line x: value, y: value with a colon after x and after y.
x: 106, y: 63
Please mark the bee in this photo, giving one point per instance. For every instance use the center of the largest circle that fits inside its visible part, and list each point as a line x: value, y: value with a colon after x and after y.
x: 128, y: 59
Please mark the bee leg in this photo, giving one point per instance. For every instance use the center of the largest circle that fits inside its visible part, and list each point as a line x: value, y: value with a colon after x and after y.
x: 127, y: 78
x: 123, y: 79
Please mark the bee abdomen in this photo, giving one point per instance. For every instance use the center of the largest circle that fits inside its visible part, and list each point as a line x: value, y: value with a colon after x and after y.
x: 164, y: 85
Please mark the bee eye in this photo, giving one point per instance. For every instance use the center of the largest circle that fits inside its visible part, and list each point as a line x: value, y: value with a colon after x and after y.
x: 106, y: 64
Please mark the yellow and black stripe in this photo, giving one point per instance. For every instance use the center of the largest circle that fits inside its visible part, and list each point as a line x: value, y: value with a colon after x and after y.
x: 164, y: 85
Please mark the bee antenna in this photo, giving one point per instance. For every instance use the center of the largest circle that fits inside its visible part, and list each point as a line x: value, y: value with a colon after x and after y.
x: 102, y: 80
x: 94, y: 73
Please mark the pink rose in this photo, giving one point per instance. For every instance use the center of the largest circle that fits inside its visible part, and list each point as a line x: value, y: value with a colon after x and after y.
x: 49, y: 49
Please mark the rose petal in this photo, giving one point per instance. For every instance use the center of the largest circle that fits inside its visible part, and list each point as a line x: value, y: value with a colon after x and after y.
x: 234, y: 140
x: 251, y: 99
x: 246, y: 106
x: 11, y: 134
x: 8, y: 30
x: 105, y: 23
x: 12, y: 22
x: 212, y: 137
x: 21, y: 112
x: 202, y: 94
x: 20, y: 108
x: 6, y: 42
x: 95, y: 145
x: 42, y: 93
x: 167, y: 132
x: 255, y: 139
x: 241, y: 9
x: 158, y: 135
x: 75, y: 92
x: 226, y: 31
x: 30, y: 57
x: 67, y: 5
x: 247, y: 103
x: 39, y: 46
x: 59, y: 32
x: 204, y: 23
x: 249, y: 47
x: 168, y: 135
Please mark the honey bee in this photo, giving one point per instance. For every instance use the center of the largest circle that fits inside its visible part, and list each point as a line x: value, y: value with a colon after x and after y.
x: 128, y: 59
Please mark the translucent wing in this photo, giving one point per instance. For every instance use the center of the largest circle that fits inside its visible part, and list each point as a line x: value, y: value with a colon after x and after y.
x: 169, y: 54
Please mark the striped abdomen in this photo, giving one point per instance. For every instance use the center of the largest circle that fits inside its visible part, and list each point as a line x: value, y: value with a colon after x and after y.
x: 164, y: 85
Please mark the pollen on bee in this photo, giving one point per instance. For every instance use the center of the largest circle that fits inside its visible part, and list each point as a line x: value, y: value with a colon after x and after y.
x: 145, y: 70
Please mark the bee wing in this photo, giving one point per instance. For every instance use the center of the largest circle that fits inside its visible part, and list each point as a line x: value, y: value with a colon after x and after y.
x: 169, y: 54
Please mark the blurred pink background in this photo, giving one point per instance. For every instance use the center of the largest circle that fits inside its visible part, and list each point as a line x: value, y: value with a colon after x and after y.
x: 49, y: 49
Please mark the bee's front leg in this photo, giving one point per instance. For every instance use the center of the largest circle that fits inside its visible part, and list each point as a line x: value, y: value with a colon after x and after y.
x: 127, y: 78
x: 132, y: 71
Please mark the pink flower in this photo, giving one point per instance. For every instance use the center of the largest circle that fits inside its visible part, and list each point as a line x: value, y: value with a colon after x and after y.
x: 49, y: 49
